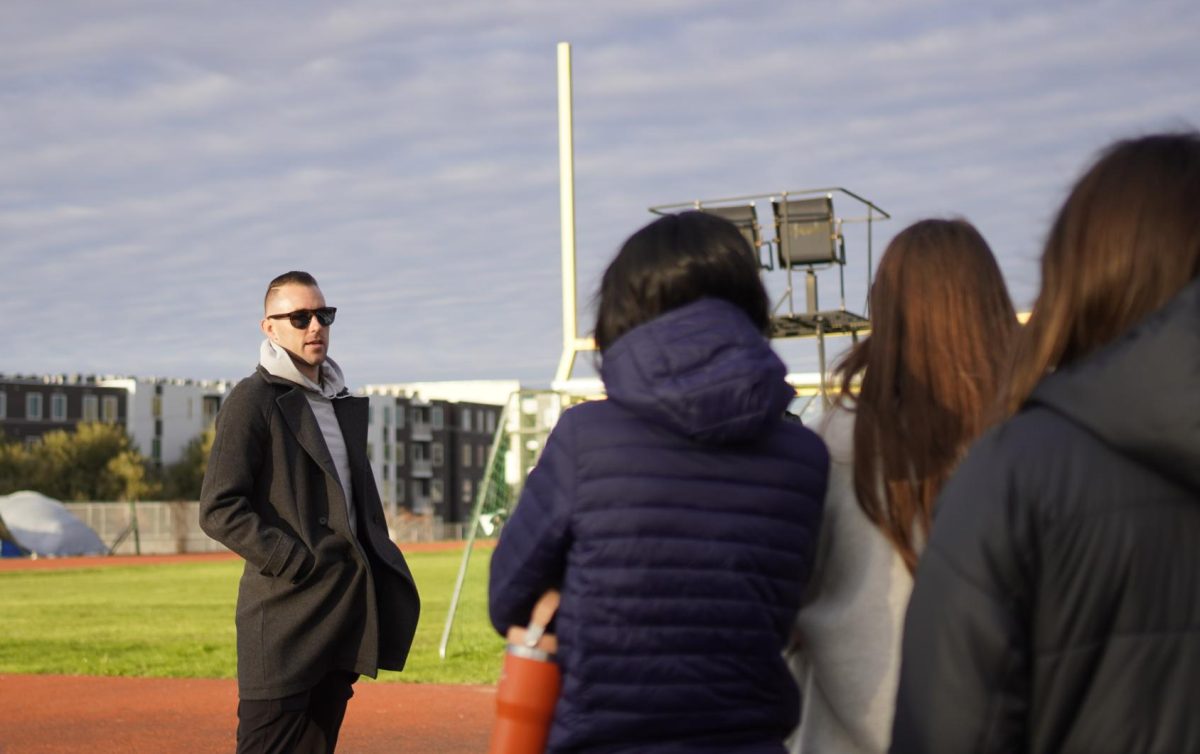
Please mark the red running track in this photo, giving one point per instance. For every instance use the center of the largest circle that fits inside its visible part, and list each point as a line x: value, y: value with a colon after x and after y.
x: 49, y: 714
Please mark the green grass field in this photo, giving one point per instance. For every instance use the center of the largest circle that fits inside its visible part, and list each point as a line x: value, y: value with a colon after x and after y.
x: 176, y: 621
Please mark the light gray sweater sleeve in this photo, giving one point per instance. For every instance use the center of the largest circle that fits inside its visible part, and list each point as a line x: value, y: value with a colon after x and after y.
x: 849, y: 630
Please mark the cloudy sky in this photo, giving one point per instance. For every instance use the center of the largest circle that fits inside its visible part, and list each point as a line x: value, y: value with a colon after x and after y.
x: 162, y: 161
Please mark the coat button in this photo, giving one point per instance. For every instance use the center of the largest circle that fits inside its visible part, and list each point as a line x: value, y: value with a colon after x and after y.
x: 322, y: 521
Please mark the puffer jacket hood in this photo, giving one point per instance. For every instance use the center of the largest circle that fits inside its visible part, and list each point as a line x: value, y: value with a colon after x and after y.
x: 1140, y: 394
x: 702, y: 370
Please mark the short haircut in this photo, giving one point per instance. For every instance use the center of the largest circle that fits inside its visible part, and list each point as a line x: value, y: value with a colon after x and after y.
x: 672, y: 262
x: 292, y: 277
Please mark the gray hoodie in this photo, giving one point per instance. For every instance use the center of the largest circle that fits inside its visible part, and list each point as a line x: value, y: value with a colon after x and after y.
x: 320, y: 397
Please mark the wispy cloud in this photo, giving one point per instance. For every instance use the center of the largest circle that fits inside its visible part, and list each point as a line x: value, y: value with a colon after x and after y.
x: 162, y: 162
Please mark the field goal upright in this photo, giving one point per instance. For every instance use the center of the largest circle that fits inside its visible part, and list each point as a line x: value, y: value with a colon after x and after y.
x: 807, y: 236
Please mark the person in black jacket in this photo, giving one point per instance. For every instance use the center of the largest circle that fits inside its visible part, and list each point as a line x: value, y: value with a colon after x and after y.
x: 1057, y: 604
x: 325, y: 595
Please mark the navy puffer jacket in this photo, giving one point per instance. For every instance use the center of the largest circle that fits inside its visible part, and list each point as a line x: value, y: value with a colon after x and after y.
x: 679, y: 519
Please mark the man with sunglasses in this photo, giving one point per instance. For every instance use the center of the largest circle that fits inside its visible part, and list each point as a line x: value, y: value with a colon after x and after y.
x: 325, y: 595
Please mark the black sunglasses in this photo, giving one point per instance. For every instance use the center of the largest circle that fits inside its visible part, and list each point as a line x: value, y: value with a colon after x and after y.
x: 301, y: 317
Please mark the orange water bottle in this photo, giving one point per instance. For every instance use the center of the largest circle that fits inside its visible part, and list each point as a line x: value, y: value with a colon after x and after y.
x: 529, y: 685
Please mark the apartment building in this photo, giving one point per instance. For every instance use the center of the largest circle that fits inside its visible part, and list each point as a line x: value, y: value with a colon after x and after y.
x: 475, y: 431
x: 164, y: 415
x: 428, y: 442
x: 31, y: 406
x: 429, y: 456
x: 532, y: 415
x: 160, y: 415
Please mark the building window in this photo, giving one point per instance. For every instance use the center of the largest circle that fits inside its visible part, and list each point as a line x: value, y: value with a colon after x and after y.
x: 108, y: 409
x: 399, y: 490
x: 420, y: 494
x: 385, y: 471
x: 399, y: 416
x: 466, y: 419
x: 481, y: 455
x: 468, y: 490
x: 33, y: 406
x: 436, y: 418
x: 420, y: 452
x: 466, y: 455
x: 210, y: 405
x: 438, y: 454
x: 3, y: 404
x: 91, y: 408
x: 491, y: 422
x: 399, y: 454
x: 156, y: 406
x: 387, y: 451
x: 528, y: 420
x: 156, y: 450
x: 58, y: 407
x: 387, y: 416
x: 437, y: 491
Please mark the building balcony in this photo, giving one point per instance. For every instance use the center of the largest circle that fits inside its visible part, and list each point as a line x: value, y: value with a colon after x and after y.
x: 422, y: 506
x: 421, y: 469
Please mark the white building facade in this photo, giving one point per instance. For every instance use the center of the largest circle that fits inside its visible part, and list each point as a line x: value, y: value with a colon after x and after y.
x: 163, y: 415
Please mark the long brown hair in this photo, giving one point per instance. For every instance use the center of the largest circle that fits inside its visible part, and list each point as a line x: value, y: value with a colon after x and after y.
x: 1124, y: 243
x: 941, y: 329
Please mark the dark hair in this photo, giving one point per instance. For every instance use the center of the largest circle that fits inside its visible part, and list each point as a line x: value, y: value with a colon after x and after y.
x: 942, y: 325
x: 673, y: 261
x: 1124, y: 243
x: 293, y: 277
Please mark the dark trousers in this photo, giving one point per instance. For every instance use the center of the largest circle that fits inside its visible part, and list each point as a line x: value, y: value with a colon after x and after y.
x: 304, y: 723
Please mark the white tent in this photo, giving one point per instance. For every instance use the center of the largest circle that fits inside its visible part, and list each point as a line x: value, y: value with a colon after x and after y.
x: 43, y: 526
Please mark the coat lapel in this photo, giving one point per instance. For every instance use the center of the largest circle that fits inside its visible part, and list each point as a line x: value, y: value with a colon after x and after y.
x: 303, y: 423
x: 352, y: 416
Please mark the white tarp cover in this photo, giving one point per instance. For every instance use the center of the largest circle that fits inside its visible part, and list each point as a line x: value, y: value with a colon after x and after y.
x: 44, y: 526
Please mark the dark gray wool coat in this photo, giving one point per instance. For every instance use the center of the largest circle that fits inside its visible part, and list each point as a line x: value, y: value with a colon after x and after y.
x: 1057, y: 606
x: 313, y: 597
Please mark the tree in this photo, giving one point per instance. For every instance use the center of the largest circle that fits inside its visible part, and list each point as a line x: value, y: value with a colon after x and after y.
x: 94, y: 462
x: 16, y: 466
x: 126, y: 473
x: 99, y: 462
x: 182, y: 479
